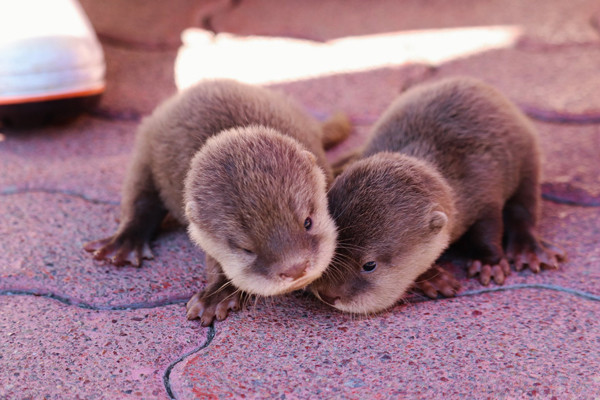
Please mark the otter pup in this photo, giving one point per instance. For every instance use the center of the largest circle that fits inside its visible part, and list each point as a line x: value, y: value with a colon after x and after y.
x: 244, y: 168
x: 449, y: 160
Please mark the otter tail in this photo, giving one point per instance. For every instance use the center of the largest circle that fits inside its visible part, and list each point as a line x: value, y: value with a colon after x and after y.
x: 336, y: 129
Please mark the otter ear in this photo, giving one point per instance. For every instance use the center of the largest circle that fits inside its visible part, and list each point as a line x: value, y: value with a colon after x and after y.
x: 311, y: 157
x: 437, y: 221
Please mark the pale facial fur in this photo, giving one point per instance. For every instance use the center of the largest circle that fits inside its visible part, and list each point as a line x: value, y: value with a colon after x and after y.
x: 389, y: 283
x: 390, y: 209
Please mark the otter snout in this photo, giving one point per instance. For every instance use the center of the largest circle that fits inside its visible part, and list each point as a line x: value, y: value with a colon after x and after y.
x: 329, y: 296
x: 294, y: 271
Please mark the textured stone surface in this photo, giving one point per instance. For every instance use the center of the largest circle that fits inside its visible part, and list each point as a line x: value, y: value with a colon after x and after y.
x: 561, y: 80
x: 43, y: 251
x: 136, y: 81
x: 88, y: 158
x: 147, y: 25
x: 553, y: 21
x: 511, y: 344
x: 571, y: 155
x: 52, y: 351
x: 537, y: 336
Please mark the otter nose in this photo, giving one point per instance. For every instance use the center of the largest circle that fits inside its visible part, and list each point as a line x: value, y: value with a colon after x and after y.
x: 328, y: 296
x: 295, y: 271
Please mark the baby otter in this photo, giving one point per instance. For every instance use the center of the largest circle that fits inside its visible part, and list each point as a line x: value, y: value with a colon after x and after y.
x: 244, y: 168
x: 449, y: 160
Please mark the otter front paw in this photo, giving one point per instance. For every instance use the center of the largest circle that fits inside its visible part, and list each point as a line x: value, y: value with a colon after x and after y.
x: 437, y: 280
x: 120, y: 249
x: 535, y: 254
x: 213, y: 303
x: 489, y: 271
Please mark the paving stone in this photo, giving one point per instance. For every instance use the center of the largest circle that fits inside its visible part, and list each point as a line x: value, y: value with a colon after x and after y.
x: 553, y: 21
x: 138, y: 23
x: 41, y: 251
x: 570, y: 155
x: 514, y: 344
x: 362, y: 96
x: 59, y: 187
x: 136, y: 81
x: 88, y: 157
x: 52, y: 351
x: 561, y: 80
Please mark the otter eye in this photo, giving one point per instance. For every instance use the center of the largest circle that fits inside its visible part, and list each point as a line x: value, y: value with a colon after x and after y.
x: 307, y: 223
x: 369, y: 266
x: 237, y: 246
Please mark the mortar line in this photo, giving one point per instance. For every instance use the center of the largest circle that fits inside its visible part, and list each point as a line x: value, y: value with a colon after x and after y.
x: 575, y: 292
x: 183, y: 299
x: 167, y: 375
x: 212, y: 332
x: 87, y: 306
x: 7, y: 191
x: 421, y: 298
x: 569, y: 202
x: 134, y: 306
x: 15, y: 190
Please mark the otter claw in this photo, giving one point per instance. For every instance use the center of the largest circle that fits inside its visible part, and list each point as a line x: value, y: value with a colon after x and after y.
x: 120, y: 250
x: 209, y: 305
x: 487, y: 272
x: 437, y: 280
x: 535, y: 254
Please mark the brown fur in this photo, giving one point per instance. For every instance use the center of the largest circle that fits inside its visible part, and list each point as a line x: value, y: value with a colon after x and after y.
x: 248, y: 194
x: 259, y: 171
x: 182, y: 124
x: 467, y: 152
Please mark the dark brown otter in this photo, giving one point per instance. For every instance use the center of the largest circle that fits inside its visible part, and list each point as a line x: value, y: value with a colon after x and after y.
x: 448, y: 161
x: 260, y: 159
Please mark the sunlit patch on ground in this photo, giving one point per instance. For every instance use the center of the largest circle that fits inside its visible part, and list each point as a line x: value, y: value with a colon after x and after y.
x: 260, y: 59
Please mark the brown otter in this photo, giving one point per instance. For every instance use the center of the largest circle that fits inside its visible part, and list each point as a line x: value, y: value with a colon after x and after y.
x: 449, y: 160
x: 259, y: 177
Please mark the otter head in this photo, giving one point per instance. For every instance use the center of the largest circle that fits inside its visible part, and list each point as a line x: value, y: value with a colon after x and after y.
x: 393, y: 216
x: 256, y: 201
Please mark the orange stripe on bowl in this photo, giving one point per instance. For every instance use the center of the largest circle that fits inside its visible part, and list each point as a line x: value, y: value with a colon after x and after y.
x: 50, y: 97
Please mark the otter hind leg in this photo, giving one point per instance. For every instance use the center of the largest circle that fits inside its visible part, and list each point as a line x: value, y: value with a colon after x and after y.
x: 436, y: 280
x: 524, y: 247
x: 484, y: 241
